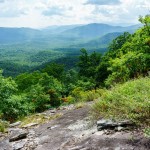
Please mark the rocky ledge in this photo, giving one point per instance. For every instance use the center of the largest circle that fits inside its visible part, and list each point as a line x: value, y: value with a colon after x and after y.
x: 73, y: 130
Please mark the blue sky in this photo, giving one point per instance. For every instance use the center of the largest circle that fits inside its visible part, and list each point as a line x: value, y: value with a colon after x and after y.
x: 42, y: 13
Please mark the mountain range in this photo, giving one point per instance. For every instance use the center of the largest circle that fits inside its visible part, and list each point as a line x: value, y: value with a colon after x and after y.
x: 92, y: 35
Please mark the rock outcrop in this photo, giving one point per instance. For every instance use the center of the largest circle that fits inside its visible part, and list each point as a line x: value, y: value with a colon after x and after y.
x: 73, y: 130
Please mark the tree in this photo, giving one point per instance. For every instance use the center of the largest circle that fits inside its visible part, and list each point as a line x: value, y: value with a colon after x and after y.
x: 146, y: 22
x: 55, y: 70
x: 128, y: 56
x: 11, y: 105
x: 88, y: 63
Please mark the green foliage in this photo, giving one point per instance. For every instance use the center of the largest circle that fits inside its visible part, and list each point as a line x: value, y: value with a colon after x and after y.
x: 55, y: 99
x: 69, y: 81
x: 37, y: 86
x: 11, y: 106
x: 26, y: 80
x: 147, y: 132
x: 55, y: 70
x: 86, y: 84
x: 33, y: 95
x: 146, y: 21
x: 130, y: 65
x: 37, y: 98
x: 87, y: 63
x: 3, y: 125
x: 15, y: 107
x: 128, y: 57
x: 130, y: 100
x: 78, y: 95
x: 117, y: 44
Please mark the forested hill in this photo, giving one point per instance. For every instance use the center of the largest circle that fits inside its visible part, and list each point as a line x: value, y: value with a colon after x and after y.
x: 17, y: 35
x: 59, y: 34
x: 26, y: 49
x: 103, y: 41
x: 95, y: 30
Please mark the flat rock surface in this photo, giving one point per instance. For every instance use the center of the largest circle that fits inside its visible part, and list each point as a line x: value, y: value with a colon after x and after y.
x: 73, y: 130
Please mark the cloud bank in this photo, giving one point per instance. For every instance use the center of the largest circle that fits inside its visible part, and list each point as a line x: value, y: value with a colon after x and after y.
x: 41, y: 13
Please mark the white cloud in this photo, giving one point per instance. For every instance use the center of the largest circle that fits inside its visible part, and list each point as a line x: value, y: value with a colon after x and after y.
x: 2, y: 1
x: 38, y: 13
x: 103, y: 2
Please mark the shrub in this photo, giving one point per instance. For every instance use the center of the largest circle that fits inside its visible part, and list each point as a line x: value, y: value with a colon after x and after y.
x: 55, y: 99
x: 37, y: 98
x: 130, y: 100
x: 147, y: 132
x: 15, y: 107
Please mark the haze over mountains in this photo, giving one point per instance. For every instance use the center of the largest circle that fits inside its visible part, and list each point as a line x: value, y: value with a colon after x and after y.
x: 24, y: 49
x: 64, y: 36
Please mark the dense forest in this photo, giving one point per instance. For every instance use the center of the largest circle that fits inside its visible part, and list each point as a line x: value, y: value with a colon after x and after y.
x: 25, y: 49
x: 83, y: 76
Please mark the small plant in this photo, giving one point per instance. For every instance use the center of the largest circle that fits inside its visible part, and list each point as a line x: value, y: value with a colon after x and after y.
x: 147, y: 132
x: 38, y: 118
x: 3, y: 126
x: 79, y: 105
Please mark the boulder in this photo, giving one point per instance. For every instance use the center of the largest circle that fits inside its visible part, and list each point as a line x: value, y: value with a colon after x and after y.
x: 18, y: 134
x: 19, y: 145
x: 15, y: 124
x: 30, y: 125
x: 109, y: 124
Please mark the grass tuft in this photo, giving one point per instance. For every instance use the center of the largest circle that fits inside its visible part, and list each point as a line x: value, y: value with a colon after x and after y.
x: 38, y: 118
x: 3, y: 126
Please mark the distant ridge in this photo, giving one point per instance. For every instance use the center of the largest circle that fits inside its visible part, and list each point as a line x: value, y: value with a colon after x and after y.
x: 61, y: 36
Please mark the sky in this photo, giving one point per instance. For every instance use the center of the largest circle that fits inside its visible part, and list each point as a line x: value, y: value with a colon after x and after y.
x: 43, y: 13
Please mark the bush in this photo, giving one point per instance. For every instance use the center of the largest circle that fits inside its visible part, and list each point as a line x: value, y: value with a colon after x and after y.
x: 37, y: 98
x: 78, y: 95
x: 15, y: 107
x: 130, y: 100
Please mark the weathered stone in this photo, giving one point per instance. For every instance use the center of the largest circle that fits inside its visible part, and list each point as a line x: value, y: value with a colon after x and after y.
x: 105, y: 124
x: 53, y: 111
x: 120, y: 128
x: 5, y: 145
x: 125, y: 123
x: 77, y: 148
x: 19, y: 145
x: 101, y: 122
x: 109, y: 124
x: 17, y: 135
x: 15, y: 124
x: 30, y: 125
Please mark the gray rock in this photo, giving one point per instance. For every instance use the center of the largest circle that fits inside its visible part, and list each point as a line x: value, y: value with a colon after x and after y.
x: 120, y: 128
x: 15, y: 124
x: 125, y: 123
x: 109, y: 124
x: 17, y: 135
x: 19, y: 145
x: 5, y: 145
x: 30, y: 125
x: 101, y: 122
x: 105, y: 124
x: 53, y: 111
